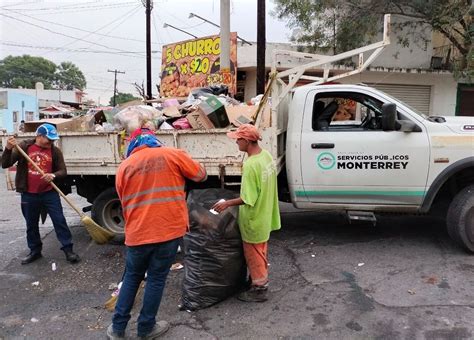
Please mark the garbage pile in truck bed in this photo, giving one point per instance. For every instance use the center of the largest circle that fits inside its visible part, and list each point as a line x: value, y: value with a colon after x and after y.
x: 202, y: 110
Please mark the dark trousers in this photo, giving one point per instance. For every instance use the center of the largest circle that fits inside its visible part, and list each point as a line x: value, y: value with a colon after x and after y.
x: 31, y: 205
x: 155, y: 260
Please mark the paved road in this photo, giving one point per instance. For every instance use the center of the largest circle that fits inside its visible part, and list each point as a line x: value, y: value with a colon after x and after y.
x: 403, y: 279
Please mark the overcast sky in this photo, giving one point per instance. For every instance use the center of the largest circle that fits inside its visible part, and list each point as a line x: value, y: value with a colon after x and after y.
x: 105, y: 35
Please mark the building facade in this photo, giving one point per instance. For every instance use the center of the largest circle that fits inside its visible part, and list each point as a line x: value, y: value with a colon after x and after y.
x: 412, y: 74
x: 16, y: 107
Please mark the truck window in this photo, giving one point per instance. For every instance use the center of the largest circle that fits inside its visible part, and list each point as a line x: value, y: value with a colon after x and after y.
x: 346, y: 110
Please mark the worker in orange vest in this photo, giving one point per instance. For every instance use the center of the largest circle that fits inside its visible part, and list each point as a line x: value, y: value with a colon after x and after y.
x: 150, y: 184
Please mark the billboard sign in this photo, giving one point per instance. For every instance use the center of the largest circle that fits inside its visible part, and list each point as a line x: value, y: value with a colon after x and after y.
x: 196, y: 63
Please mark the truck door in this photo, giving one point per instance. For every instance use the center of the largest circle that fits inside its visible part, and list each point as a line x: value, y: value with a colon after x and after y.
x: 347, y: 158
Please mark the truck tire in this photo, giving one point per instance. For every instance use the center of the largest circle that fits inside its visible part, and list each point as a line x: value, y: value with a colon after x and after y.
x: 107, y: 211
x: 460, y: 218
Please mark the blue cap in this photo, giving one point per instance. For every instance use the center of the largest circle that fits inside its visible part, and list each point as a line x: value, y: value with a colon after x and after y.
x: 47, y: 130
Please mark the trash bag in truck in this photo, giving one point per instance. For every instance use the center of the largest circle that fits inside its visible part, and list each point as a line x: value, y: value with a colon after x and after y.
x: 214, y: 264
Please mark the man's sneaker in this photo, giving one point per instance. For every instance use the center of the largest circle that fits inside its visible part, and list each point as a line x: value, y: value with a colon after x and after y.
x: 111, y: 335
x: 31, y: 257
x: 71, y: 256
x: 254, y: 294
x: 159, y: 329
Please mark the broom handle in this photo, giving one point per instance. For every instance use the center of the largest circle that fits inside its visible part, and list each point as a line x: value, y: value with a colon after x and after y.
x: 55, y: 187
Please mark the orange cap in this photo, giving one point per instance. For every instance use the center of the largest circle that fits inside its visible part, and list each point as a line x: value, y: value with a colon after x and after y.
x: 246, y: 131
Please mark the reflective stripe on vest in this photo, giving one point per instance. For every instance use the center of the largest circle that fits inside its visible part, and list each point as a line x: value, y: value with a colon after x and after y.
x: 150, y: 191
x: 176, y: 198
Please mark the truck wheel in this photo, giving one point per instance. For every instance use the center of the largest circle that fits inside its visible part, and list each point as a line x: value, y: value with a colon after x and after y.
x: 107, y: 211
x: 460, y: 218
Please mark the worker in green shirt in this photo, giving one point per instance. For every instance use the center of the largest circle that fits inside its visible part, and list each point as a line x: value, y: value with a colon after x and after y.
x: 258, y: 212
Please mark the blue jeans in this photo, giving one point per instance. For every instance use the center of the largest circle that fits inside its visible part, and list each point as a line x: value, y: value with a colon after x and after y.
x: 31, y: 205
x: 155, y: 260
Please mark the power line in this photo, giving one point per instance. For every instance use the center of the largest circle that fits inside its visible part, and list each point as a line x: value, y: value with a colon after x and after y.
x: 79, y: 29
x: 124, y: 18
x: 128, y: 14
x: 167, y: 31
x: 156, y: 30
x: 81, y: 50
x: 18, y: 3
x: 58, y: 33
x: 182, y: 22
x: 75, y: 8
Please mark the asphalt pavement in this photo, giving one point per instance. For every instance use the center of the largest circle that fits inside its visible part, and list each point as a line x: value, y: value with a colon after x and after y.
x: 400, y: 279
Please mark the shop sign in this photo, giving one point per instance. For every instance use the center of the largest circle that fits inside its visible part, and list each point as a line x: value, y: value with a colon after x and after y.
x: 196, y: 63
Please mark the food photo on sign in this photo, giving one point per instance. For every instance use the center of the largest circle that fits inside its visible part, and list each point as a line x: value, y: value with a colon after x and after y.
x: 195, y: 63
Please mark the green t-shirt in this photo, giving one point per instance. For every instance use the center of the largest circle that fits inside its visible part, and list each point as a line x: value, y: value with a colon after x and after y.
x: 260, y: 214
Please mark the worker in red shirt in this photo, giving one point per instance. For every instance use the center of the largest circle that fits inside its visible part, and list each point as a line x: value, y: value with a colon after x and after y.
x: 150, y: 184
x: 36, y: 190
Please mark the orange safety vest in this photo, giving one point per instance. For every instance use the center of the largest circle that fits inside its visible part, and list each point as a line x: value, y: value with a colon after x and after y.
x: 150, y: 185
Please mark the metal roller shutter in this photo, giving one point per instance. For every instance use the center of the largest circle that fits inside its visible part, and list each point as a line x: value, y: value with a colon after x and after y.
x: 418, y: 96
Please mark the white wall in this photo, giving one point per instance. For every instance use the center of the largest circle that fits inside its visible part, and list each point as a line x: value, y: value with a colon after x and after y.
x: 443, y: 87
x: 250, y: 84
x: 49, y: 95
x: 247, y: 54
x: 416, y: 55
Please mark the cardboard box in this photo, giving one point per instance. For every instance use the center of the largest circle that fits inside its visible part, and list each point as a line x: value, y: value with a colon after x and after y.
x: 215, y: 111
x: 61, y: 124
x: 198, y: 120
x: 171, y: 111
x: 240, y: 114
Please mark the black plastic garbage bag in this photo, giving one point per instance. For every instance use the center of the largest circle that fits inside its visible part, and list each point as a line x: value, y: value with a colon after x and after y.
x: 214, y: 264
x: 215, y: 90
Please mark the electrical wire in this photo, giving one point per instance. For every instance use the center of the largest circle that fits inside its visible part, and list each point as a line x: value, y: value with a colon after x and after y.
x: 129, y: 15
x: 58, y: 33
x: 18, y: 3
x: 182, y: 22
x: 75, y: 8
x: 62, y: 49
x: 167, y: 31
x: 124, y: 17
x: 77, y: 28
x: 156, y: 29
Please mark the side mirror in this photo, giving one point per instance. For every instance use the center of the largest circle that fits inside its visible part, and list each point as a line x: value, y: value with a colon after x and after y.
x: 407, y: 126
x: 389, y: 117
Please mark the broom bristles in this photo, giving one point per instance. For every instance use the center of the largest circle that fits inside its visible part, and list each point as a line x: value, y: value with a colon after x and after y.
x: 110, y: 303
x: 98, y: 233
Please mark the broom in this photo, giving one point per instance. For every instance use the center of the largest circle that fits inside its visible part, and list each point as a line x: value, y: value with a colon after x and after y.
x: 98, y: 233
x: 110, y: 303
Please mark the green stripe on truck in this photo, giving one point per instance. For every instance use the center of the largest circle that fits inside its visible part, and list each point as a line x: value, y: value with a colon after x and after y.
x: 359, y: 192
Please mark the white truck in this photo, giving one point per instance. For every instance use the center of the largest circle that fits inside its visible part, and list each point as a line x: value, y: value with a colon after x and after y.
x: 382, y: 156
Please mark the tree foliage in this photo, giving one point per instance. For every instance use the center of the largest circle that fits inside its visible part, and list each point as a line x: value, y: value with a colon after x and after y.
x: 121, y: 98
x: 26, y: 71
x: 69, y: 77
x: 341, y: 25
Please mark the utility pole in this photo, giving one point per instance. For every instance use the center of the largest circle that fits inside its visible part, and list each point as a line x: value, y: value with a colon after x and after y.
x: 148, y: 7
x: 225, y: 36
x: 115, y: 82
x: 261, y: 43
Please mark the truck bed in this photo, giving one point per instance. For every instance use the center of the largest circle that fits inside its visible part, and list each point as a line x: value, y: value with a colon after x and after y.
x: 94, y: 153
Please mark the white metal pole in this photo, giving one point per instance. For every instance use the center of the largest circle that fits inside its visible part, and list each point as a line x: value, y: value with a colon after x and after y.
x: 225, y: 35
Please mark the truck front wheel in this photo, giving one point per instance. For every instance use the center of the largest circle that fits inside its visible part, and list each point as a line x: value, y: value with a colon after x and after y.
x: 460, y: 218
x: 107, y: 211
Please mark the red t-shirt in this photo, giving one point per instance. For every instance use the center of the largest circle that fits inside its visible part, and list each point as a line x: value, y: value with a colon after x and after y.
x: 44, y: 159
